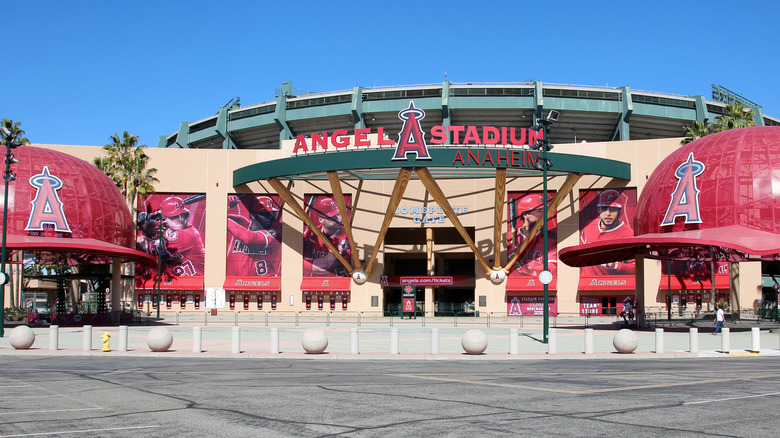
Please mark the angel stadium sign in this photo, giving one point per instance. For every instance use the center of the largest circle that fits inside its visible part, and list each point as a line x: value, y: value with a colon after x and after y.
x: 411, y: 139
x: 454, y: 152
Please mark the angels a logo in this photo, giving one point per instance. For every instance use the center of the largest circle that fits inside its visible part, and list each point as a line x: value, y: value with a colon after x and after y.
x: 411, y: 138
x: 47, y: 207
x: 685, y: 199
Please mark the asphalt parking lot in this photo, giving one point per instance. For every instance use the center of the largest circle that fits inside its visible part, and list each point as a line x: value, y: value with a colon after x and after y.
x: 121, y: 396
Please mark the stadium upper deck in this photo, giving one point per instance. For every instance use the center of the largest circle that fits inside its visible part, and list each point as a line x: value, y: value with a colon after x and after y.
x: 588, y: 113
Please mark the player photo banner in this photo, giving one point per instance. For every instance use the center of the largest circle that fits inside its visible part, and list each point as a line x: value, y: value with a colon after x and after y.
x: 523, y: 212
x: 171, y: 227
x: 318, y: 261
x: 606, y: 214
x: 254, y: 240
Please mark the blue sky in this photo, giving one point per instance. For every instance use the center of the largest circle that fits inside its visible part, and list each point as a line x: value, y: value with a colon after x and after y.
x: 75, y: 72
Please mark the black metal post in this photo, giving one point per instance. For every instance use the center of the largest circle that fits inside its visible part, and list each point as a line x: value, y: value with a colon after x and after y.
x: 8, y: 176
x: 160, y: 228
x: 544, y: 238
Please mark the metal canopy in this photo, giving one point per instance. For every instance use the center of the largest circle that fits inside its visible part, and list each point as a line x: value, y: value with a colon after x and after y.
x: 445, y: 163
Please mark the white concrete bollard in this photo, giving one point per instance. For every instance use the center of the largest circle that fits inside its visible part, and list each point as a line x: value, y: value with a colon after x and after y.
x: 513, y: 341
x: 724, y: 340
x: 694, y: 340
x: 588, y: 341
x: 434, y: 340
x: 354, y: 340
x: 86, y: 344
x: 197, y: 339
x: 552, y: 342
x: 122, y: 338
x: 54, y: 337
x: 274, y: 340
x: 394, y: 340
x: 659, y: 340
x: 235, y: 346
x: 755, y: 337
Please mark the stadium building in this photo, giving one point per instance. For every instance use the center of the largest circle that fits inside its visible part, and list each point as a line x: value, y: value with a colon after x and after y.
x: 425, y: 199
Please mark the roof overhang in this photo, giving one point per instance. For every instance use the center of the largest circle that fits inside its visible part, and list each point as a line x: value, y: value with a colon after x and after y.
x: 445, y: 163
x: 732, y: 243
x: 79, y: 246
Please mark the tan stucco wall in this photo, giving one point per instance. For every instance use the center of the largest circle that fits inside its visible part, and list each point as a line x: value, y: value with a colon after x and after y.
x: 210, y: 172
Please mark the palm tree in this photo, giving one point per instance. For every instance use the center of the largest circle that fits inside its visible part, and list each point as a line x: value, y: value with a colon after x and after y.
x: 15, y: 132
x: 736, y: 116
x: 12, y: 133
x: 696, y: 131
x: 125, y: 163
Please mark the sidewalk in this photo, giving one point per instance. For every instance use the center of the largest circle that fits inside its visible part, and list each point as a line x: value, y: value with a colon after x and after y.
x: 414, y: 342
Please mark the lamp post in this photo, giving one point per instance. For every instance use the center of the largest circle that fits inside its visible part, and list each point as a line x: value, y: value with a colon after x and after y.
x: 10, y: 143
x: 543, y: 145
x: 160, y: 230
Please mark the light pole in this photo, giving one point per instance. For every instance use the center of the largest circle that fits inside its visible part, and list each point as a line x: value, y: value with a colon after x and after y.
x: 543, y: 145
x: 10, y: 143
x: 160, y: 230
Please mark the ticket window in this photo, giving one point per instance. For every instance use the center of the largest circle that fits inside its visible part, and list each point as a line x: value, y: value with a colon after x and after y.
x: 246, y: 302
x: 168, y: 301
x: 259, y: 301
x: 183, y: 301
x: 344, y: 302
x: 332, y: 302
x: 320, y: 300
x: 140, y: 301
x: 197, y: 301
x: 308, y: 302
x: 273, y: 302
x: 155, y: 297
x: 232, y: 302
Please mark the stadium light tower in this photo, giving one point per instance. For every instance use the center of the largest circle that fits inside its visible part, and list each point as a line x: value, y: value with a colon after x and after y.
x: 8, y: 175
x: 543, y: 145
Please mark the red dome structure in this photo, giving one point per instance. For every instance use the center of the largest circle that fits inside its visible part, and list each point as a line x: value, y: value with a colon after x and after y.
x: 60, y: 203
x: 717, y: 198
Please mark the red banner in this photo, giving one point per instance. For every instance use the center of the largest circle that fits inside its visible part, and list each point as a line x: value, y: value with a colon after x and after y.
x: 428, y: 280
x: 608, y: 282
x: 326, y: 283
x: 253, y: 283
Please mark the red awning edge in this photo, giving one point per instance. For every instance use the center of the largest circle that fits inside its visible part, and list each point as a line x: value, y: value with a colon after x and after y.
x: 81, y: 246
x: 762, y: 244
x: 326, y: 283
x: 527, y: 283
x: 265, y: 284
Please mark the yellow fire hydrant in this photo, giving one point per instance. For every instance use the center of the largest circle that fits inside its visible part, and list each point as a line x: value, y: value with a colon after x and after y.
x: 105, y: 338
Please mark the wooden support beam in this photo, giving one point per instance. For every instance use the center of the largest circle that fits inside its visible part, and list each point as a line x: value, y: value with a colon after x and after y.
x: 499, y: 212
x: 435, y: 191
x: 338, y: 195
x: 289, y: 199
x: 404, y: 175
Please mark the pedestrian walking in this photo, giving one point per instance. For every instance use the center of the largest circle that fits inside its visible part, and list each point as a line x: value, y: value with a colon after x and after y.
x: 720, y: 317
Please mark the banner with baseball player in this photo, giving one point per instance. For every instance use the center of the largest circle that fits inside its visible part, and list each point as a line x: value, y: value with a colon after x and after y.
x: 254, y: 237
x: 606, y: 214
x: 318, y: 261
x: 524, y: 210
x: 171, y: 227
